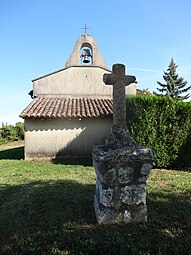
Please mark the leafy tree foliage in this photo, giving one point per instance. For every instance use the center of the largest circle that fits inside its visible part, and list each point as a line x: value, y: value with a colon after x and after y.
x: 11, y: 133
x: 174, y: 85
x: 19, y: 128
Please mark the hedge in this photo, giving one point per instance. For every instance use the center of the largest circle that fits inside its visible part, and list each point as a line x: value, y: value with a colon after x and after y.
x: 164, y: 125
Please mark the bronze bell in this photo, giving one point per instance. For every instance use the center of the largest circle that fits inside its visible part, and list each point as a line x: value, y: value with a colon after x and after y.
x: 86, y: 59
x: 86, y: 55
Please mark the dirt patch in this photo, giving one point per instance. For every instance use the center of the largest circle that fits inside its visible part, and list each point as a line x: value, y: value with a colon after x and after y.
x: 18, y: 143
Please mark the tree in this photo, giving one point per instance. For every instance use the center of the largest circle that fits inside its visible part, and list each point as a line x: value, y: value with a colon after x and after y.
x: 175, y: 86
x: 10, y: 133
x: 19, y: 127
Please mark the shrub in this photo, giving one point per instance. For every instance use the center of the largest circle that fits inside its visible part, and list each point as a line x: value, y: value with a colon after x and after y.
x: 8, y: 133
x: 11, y: 133
x: 164, y: 125
x: 19, y: 127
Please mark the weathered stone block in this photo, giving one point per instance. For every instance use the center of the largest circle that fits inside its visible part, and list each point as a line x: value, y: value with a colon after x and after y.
x: 125, y: 175
x: 104, y: 215
x: 146, y: 168
x: 134, y: 194
x: 106, y: 196
x: 110, y: 176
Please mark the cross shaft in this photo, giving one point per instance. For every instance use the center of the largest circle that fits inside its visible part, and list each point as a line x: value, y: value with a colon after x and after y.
x: 119, y: 80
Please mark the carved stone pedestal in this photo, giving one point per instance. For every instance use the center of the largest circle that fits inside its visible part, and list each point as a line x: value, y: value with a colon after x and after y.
x: 122, y: 171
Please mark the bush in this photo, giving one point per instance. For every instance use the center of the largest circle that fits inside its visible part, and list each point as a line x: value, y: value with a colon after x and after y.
x: 8, y: 133
x: 164, y: 125
x: 19, y: 127
x: 11, y: 133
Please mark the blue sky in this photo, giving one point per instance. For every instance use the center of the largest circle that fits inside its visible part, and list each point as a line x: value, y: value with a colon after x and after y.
x: 38, y: 36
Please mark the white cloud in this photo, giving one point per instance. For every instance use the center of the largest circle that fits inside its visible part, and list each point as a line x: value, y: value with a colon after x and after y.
x: 144, y: 69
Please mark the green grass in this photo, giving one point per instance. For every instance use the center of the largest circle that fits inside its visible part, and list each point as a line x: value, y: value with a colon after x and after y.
x: 47, y: 208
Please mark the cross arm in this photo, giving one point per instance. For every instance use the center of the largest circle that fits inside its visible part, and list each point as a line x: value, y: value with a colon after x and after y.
x: 110, y: 79
x: 129, y: 79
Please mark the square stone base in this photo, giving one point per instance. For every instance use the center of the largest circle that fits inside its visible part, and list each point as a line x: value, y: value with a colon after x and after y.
x: 121, y: 184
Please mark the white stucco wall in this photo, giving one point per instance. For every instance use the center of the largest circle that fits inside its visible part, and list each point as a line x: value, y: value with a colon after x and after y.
x: 63, y: 138
x: 76, y: 82
x: 73, y: 82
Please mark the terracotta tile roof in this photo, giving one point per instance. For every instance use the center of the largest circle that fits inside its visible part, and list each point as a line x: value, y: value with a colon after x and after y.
x: 48, y: 108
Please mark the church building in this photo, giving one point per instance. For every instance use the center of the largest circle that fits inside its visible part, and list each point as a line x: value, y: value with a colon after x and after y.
x: 71, y: 109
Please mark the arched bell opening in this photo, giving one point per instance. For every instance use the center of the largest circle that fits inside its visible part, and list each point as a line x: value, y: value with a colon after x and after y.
x: 86, y: 56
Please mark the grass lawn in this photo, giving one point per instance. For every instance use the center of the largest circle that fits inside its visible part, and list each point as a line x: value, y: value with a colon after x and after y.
x: 47, y: 208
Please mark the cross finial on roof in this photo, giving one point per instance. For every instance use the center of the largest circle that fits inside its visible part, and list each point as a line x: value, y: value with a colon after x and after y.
x: 85, y: 28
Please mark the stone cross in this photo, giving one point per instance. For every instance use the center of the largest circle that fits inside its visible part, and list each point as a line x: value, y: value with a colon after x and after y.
x: 85, y: 29
x: 119, y: 80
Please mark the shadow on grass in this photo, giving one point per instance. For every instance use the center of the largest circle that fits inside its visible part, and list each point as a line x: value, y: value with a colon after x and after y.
x: 58, y: 216
x: 13, y: 153
x: 73, y: 161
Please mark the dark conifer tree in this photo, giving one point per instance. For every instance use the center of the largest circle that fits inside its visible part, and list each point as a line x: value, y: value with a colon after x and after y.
x: 175, y: 86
